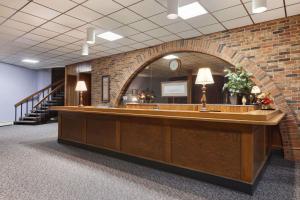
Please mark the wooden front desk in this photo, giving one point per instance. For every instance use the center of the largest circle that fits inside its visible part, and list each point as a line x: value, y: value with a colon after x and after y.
x: 225, y: 148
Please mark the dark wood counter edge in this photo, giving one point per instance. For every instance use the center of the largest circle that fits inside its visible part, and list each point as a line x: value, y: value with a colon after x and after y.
x: 217, y: 180
x: 273, y: 121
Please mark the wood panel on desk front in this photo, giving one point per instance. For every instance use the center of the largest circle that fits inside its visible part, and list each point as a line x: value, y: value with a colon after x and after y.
x: 234, y: 151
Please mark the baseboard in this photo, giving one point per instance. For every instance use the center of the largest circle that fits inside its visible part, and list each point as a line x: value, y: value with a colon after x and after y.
x: 6, y: 123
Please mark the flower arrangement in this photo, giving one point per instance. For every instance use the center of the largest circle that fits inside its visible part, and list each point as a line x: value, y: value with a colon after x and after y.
x: 265, y: 100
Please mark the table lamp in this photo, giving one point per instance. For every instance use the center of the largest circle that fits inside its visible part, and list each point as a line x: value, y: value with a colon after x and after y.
x: 255, y: 90
x: 204, y: 77
x: 80, y: 87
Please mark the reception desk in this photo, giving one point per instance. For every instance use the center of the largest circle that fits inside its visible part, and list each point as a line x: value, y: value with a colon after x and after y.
x: 225, y: 148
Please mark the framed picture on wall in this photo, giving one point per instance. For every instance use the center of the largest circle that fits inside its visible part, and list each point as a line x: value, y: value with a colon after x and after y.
x: 105, y: 89
x: 174, y: 89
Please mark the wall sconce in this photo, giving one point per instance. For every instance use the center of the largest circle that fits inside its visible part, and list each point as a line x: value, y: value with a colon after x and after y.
x: 204, y: 77
x: 80, y: 87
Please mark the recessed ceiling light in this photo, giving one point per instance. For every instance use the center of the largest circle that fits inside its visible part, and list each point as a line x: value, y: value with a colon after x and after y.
x: 110, y: 36
x: 170, y: 57
x: 30, y: 61
x: 191, y: 10
x: 259, y: 6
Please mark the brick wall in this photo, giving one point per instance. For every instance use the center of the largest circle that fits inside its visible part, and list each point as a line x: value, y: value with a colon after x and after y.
x: 271, y: 51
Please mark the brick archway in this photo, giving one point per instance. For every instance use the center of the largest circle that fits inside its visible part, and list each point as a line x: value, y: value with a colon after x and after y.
x: 288, y: 127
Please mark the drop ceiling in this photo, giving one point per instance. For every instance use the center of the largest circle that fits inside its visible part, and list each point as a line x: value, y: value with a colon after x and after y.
x: 53, y: 31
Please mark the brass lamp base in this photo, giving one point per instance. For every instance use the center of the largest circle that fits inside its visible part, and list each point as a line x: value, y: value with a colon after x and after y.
x: 80, y: 99
x: 203, y: 99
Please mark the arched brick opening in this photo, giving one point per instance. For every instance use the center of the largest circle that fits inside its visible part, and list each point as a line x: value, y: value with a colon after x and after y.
x: 288, y: 126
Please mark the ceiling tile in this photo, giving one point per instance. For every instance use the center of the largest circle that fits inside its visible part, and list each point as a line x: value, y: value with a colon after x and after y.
x: 157, y: 33
x: 126, y: 41
x: 73, y: 46
x: 55, y: 27
x: 143, y: 25
x: 268, y: 15
x: 83, y: 13
x: 27, y: 41
x: 293, y: 10
x: 140, y: 37
x: 162, y: 20
x: 76, y: 34
x: 138, y: 46
x: 127, y: 2
x: 152, y: 42
x: 239, y: 22
x: 18, y: 25
x: 178, y: 27
x: 68, y: 21
x: 100, y: 48
x: 2, y: 19
x: 15, y: 4
x: 40, y: 11
x: 47, y: 46
x: 79, y: 1
x: 189, y: 34
x: 125, y: 31
x: 202, y: 20
x: 113, y: 51
x: 147, y: 8
x: 105, y: 7
x: 65, y: 37
x: 125, y: 48
x: 289, y: 2
x: 271, y: 4
x: 56, y: 42
x: 230, y: 13
x: 112, y: 44
x: 28, y: 19
x: 107, y: 23
x: 44, y: 32
x: 125, y: 16
x: 59, y: 5
x: 10, y: 31
x: 213, y: 5
x: 35, y: 37
x: 6, y: 12
x: 211, y: 29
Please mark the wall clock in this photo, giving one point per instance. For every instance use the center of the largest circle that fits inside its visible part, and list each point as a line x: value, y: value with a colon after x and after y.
x: 175, y: 64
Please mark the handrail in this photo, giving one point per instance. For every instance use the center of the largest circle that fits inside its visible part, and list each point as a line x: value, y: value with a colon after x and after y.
x: 53, y: 91
x: 32, y: 95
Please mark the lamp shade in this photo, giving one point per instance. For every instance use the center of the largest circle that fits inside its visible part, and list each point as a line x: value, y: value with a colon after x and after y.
x: 255, y: 90
x: 81, y: 86
x: 172, y: 9
x: 259, y: 6
x: 204, y: 76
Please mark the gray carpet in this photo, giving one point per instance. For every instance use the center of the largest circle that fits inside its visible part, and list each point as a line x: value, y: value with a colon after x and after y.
x: 34, y: 166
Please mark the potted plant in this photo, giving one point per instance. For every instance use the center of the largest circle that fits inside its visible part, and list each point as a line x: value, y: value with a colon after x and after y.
x: 238, y: 83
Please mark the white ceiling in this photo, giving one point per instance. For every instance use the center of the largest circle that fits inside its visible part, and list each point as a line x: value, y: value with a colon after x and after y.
x: 53, y: 31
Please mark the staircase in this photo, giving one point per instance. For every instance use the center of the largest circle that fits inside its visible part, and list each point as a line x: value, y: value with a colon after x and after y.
x: 34, y: 109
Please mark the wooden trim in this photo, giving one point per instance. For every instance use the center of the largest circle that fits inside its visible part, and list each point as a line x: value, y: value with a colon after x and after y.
x: 257, y: 117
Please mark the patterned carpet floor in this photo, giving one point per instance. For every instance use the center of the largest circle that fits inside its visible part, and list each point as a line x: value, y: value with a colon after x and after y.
x: 33, y: 166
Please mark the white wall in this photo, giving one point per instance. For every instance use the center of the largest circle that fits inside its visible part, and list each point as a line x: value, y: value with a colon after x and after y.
x: 17, y: 83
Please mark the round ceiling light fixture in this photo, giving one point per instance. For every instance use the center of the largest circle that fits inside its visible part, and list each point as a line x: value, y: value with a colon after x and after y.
x: 172, y: 9
x: 259, y: 6
x: 91, y: 35
x: 85, y: 49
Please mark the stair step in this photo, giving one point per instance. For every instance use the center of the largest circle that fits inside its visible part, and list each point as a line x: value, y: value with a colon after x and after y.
x: 33, y: 115
x: 40, y: 111
x: 26, y: 122
x: 30, y: 118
